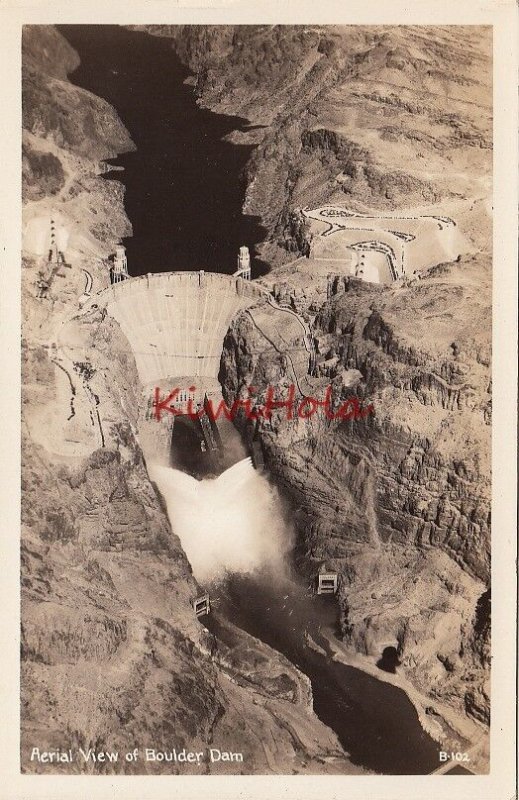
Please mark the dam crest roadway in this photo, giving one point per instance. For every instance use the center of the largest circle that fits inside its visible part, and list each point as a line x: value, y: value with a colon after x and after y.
x: 176, y: 322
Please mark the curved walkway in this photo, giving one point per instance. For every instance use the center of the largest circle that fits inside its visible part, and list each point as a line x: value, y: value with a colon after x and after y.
x: 302, y: 381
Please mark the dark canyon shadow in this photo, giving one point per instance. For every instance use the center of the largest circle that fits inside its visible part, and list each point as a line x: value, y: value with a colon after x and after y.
x: 375, y: 722
x: 184, y: 184
x: 201, y: 456
x: 389, y: 660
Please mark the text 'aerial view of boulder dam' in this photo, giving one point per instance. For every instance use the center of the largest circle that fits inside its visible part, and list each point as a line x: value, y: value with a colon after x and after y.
x: 256, y: 399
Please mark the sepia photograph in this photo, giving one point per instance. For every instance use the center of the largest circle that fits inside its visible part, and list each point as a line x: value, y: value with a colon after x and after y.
x: 256, y: 400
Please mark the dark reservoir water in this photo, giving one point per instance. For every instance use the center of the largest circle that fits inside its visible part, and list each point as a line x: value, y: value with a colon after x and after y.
x: 184, y: 185
x: 184, y: 193
x: 375, y: 722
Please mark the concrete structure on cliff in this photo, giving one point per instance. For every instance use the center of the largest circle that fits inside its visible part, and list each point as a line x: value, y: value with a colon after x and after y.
x: 119, y: 268
x: 244, y: 267
x: 380, y: 248
x: 175, y: 323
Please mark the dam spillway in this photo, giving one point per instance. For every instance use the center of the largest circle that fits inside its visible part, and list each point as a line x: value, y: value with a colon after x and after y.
x: 175, y: 322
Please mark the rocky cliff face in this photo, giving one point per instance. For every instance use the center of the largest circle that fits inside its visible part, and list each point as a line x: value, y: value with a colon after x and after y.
x: 375, y: 117
x: 112, y: 656
x: 398, y: 502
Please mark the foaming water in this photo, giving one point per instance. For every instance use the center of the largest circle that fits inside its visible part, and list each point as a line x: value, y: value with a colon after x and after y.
x: 230, y: 524
x: 234, y: 533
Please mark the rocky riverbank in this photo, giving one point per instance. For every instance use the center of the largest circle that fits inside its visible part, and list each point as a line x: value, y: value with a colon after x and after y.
x: 397, y: 503
x: 112, y: 655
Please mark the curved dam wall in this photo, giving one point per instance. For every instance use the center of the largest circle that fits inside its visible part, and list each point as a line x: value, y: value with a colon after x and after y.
x: 176, y: 322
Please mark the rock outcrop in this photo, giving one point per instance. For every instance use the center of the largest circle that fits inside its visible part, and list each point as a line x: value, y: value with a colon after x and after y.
x: 398, y: 502
x: 112, y: 654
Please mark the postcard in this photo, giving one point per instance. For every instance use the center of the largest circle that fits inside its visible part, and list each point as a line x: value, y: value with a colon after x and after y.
x: 262, y: 527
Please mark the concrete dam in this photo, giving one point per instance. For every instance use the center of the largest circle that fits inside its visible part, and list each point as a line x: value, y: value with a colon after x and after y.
x: 173, y: 323
x: 176, y: 322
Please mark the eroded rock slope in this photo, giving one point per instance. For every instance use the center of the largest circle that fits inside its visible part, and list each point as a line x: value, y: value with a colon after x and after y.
x: 112, y: 656
x: 396, y: 119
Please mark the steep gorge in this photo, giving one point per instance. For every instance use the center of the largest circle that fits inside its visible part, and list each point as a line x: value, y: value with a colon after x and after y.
x: 376, y: 118
x: 112, y: 654
x: 398, y: 503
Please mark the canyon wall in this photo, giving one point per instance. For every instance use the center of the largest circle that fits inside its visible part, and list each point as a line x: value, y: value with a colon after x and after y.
x: 112, y: 654
x: 374, y: 117
x: 398, y: 502
x: 397, y: 120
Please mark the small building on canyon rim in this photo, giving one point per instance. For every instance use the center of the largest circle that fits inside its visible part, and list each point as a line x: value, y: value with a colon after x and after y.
x: 382, y: 248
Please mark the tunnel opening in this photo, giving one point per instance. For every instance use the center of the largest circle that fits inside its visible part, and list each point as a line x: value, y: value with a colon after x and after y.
x: 205, y: 449
x: 189, y: 451
x: 389, y: 660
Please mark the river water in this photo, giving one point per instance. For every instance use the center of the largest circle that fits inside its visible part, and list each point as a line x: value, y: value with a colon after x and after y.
x: 375, y: 722
x: 184, y: 195
x: 237, y: 538
x: 184, y: 184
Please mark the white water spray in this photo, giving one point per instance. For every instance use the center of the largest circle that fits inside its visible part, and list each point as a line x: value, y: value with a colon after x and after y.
x: 232, y: 523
